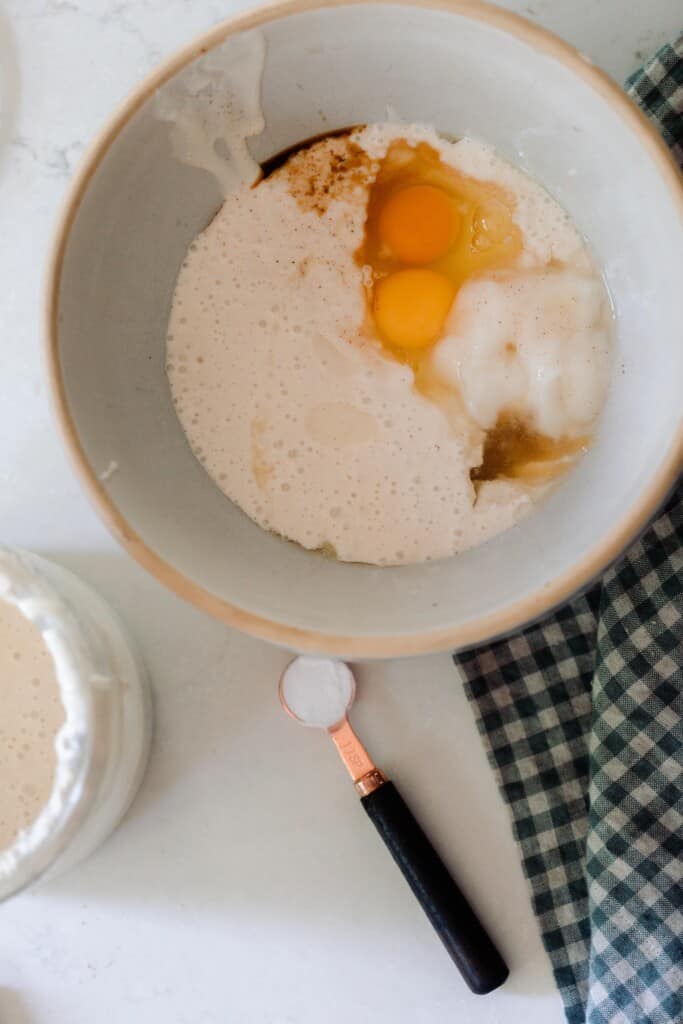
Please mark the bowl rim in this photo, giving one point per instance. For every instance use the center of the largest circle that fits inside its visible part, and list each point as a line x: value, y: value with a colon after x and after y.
x: 501, y: 622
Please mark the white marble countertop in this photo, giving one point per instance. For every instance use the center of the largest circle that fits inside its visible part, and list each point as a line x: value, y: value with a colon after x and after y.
x: 246, y: 885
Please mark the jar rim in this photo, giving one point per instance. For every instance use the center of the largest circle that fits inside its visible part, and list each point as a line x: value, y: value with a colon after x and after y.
x: 25, y: 584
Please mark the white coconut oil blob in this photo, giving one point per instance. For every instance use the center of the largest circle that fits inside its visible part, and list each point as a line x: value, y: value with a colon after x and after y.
x: 536, y: 341
x: 317, y: 691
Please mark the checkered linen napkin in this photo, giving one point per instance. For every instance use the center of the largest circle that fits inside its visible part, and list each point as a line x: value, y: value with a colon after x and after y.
x: 582, y: 716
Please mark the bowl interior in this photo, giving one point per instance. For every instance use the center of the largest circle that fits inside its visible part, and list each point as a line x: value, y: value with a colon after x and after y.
x: 325, y: 69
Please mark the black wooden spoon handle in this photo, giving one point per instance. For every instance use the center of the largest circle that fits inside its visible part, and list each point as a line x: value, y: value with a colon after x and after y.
x: 453, y: 919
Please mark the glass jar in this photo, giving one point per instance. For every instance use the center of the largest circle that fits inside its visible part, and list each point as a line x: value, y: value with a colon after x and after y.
x: 101, y: 748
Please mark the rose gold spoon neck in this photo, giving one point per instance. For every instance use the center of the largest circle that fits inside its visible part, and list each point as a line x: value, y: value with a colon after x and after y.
x: 358, y: 763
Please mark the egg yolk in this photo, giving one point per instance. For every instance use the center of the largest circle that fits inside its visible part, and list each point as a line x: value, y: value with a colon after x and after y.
x: 418, y: 223
x: 429, y: 228
x: 410, y: 307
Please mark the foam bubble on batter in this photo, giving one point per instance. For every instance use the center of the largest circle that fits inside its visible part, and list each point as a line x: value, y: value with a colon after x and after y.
x: 297, y: 415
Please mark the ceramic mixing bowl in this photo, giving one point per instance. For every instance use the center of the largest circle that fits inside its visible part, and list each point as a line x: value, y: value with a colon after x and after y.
x: 468, y: 69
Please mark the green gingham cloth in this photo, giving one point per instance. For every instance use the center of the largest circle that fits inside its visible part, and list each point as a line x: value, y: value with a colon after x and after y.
x: 582, y: 717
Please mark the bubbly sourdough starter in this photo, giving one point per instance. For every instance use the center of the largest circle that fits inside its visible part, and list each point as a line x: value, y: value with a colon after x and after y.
x: 31, y: 714
x: 301, y: 418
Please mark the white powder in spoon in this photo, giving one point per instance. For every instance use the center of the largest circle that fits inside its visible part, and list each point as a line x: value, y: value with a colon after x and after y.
x: 317, y: 691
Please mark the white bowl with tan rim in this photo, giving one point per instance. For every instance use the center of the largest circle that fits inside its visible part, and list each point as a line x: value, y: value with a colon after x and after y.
x: 468, y: 69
